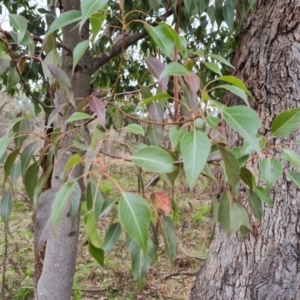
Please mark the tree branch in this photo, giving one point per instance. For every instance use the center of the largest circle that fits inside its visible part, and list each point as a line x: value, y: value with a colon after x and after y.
x: 131, y: 39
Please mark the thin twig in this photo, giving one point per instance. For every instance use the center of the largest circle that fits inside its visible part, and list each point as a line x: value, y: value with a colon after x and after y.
x: 180, y: 274
x: 4, y: 260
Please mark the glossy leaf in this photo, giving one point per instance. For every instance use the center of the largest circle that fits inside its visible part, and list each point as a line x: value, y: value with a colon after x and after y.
x: 30, y: 179
x: 235, y: 90
x: 77, y: 116
x: 235, y: 81
x: 170, y: 237
x: 94, y: 199
x: 26, y: 156
x: 135, y: 128
x: 65, y: 19
x: 140, y: 260
x: 15, y: 172
x: 263, y: 195
x: 97, y: 20
x: 245, y: 121
x: 155, y: 68
x: 213, y: 67
x: 292, y: 157
x: 229, y: 15
x: 295, y: 177
x: 231, y: 215
x: 157, y: 97
x: 256, y: 206
x: 247, y: 178
x: 232, y: 167
x: 90, y: 7
x: 61, y: 200
x: 73, y: 161
x: 78, y: 52
x: 174, y: 69
x: 9, y: 162
x: 195, y: 148
x: 111, y: 237
x: 134, y: 215
x: 91, y: 229
x: 175, y: 136
x: 19, y: 23
x: 285, y: 123
x: 97, y: 254
x: 4, y: 142
x: 221, y: 59
x: 270, y: 171
x: 154, y: 159
x: 97, y: 106
x: 6, y: 207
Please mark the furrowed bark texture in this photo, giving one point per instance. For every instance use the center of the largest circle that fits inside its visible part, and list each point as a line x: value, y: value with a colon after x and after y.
x: 265, y: 265
x: 61, y: 249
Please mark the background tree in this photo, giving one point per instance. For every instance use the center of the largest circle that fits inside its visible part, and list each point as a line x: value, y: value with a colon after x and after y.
x: 265, y: 264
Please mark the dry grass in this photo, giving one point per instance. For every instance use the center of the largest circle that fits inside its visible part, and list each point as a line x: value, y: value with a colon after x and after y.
x: 164, y: 281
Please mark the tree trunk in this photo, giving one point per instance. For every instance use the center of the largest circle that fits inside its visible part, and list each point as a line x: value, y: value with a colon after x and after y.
x: 266, y: 264
x: 61, y: 249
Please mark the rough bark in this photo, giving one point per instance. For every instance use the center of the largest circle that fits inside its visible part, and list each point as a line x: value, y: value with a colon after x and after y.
x: 265, y: 265
x: 61, y: 249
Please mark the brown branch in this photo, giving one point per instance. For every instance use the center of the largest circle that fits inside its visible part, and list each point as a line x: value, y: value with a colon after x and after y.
x: 37, y: 39
x: 131, y: 39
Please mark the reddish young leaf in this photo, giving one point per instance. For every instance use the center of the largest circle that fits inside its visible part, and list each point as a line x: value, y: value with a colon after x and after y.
x: 98, y: 107
x: 193, y: 82
x: 162, y: 202
x: 155, y: 68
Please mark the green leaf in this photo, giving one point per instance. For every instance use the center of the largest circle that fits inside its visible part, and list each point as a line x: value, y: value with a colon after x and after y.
x: 91, y: 229
x: 60, y: 202
x: 263, y: 195
x: 73, y: 161
x: 247, y: 178
x: 9, y: 162
x: 81, y: 146
x: 94, y: 199
x: 195, y: 148
x: 232, y: 215
x: 78, y: 116
x: 165, y: 37
x: 295, y: 177
x: 30, y: 179
x: 292, y: 157
x: 270, y: 171
x: 235, y: 81
x: 4, y: 142
x: 26, y: 157
x: 157, y: 97
x: 64, y: 19
x: 154, y: 159
x: 213, y: 122
x: 134, y: 215
x: 140, y: 260
x: 235, y: 90
x: 97, y: 20
x: 19, y: 23
x: 228, y: 14
x: 232, y: 167
x: 286, y: 122
x: 5, y: 207
x: 135, y: 128
x: 78, y: 52
x: 221, y: 59
x: 90, y: 7
x: 111, y: 237
x: 170, y: 237
x: 15, y: 172
x: 256, y: 206
x: 213, y: 67
x: 245, y: 121
x: 174, y: 69
x: 97, y: 254
x: 175, y: 136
